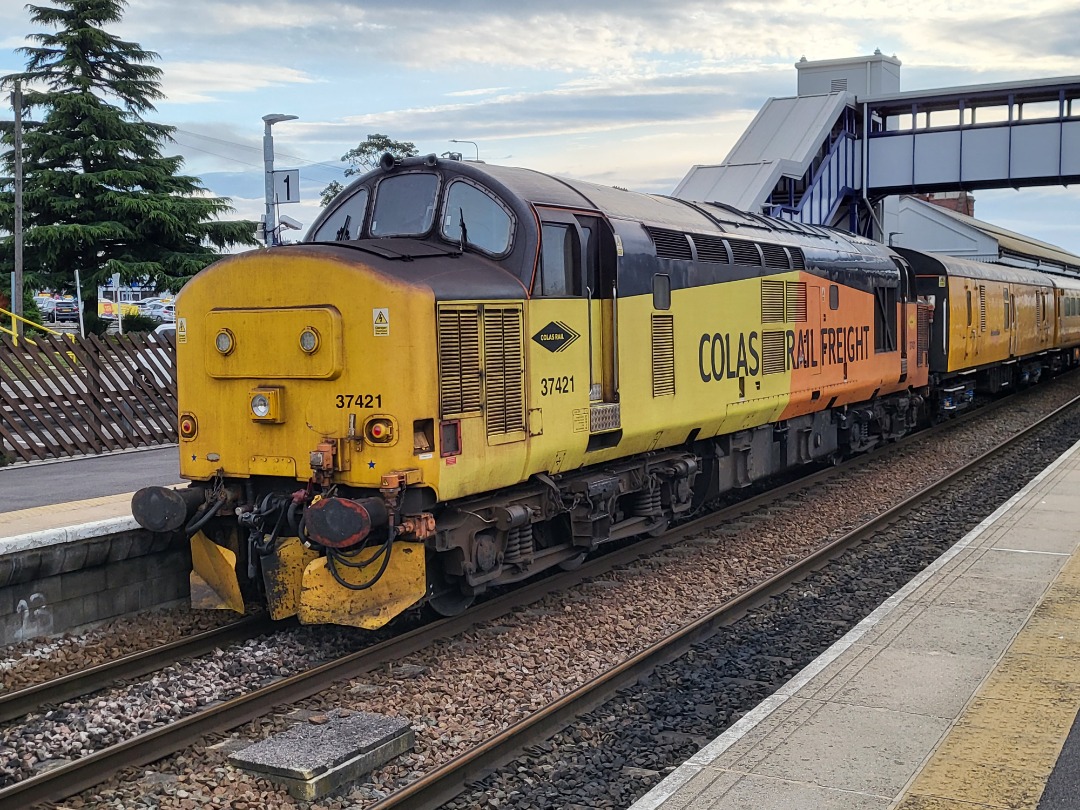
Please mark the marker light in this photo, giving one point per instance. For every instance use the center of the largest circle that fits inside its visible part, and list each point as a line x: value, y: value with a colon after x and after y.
x: 224, y: 342
x: 309, y: 340
x: 189, y: 426
x: 380, y: 431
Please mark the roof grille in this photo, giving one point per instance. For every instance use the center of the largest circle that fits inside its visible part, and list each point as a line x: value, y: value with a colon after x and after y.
x: 711, y: 249
x: 798, y: 260
x: 670, y: 244
x: 775, y: 256
x: 747, y: 253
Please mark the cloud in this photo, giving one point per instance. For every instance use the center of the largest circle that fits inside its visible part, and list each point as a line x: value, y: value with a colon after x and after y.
x: 195, y: 82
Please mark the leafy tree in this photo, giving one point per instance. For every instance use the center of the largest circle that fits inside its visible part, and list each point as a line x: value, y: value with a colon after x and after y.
x: 99, y: 194
x: 365, y: 157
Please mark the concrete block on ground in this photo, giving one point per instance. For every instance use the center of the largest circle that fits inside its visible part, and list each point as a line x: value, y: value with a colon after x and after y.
x: 313, y: 759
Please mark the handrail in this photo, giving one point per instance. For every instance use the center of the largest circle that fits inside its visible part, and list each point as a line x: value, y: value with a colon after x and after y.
x: 14, y: 332
x: 837, y: 149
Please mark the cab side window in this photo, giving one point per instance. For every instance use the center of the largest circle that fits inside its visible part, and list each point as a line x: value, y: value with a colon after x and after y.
x: 558, y: 257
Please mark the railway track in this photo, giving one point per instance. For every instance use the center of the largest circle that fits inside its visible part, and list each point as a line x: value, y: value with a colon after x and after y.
x: 85, y: 682
x: 447, y: 781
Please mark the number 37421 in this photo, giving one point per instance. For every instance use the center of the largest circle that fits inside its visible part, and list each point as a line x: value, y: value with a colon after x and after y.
x: 556, y: 385
x: 358, y: 401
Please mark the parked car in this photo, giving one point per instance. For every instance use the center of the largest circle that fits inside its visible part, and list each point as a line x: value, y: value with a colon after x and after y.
x: 147, y: 305
x: 65, y: 309
x: 156, y: 364
x: 168, y: 313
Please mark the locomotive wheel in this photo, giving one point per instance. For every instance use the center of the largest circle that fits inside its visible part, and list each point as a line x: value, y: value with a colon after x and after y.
x: 450, y: 602
x: 444, y: 592
x: 573, y: 563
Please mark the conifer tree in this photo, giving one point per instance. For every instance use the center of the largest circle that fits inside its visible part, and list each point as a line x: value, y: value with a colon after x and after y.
x: 99, y: 194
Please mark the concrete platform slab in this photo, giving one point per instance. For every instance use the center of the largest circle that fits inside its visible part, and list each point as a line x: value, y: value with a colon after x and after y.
x: 314, y: 759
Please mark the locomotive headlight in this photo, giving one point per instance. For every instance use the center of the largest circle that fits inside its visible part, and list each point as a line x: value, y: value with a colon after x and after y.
x: 265, y: 404
x: 260, y: 406
x: 224, y: 342
x: 309, y: 340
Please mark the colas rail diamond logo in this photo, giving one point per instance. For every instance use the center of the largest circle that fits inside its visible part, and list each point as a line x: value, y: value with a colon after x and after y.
x: 556, y: 336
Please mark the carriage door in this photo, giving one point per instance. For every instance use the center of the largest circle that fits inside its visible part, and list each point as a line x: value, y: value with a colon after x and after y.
x: 907, y: 295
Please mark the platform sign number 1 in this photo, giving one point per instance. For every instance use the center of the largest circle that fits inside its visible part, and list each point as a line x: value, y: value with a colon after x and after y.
x: 287, y: 186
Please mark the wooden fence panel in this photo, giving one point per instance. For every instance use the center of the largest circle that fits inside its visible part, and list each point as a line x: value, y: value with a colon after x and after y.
x: 62, y: 397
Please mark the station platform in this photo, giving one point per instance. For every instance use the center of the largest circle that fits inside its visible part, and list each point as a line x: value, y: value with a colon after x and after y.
x: 960, y: 692
x: 56, y: 496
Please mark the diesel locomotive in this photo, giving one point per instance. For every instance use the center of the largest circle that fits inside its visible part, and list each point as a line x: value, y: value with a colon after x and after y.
x: 467, y: 374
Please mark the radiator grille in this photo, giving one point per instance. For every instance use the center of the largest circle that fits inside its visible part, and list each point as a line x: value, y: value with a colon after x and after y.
x: 773, y: 360
x: 746, y: 253
x: 798, y: 260
x: 711, y: 249
x: 796, y: 301
x: 670, y: 244
x: 772, y: 301
x: 504, y: 370
x: 663, y: 355
x: 459, y: 361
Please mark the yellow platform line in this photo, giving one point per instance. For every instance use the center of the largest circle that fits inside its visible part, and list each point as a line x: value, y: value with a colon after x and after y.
x: 1002, y: 749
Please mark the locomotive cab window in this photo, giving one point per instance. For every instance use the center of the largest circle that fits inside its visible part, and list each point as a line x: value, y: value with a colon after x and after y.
x: 572, y: 251
x: 558, y: 259
x: 473, y: 216
x: 347, y: 220
x: 404, y: 204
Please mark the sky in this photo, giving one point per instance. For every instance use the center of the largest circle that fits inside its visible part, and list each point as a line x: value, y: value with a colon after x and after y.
x: 624, y: 92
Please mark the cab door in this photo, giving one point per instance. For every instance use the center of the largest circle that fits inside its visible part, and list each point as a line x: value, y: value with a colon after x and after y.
x: 573, y: 311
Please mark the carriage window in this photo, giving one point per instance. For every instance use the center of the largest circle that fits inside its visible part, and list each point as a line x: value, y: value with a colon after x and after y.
x: 487, y: 224
x: 404, y: 205
x: 346, y: 222
x: 557, y: 259
x: 969, y: 307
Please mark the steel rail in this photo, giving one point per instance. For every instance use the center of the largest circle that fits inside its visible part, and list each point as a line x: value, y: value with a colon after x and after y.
x: 450, y: 780
x: 86, y: 681
x: 66, y: 780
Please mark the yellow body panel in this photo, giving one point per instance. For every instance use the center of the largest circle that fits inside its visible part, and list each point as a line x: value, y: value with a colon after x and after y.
x: 214, y: 585
x: 404, y: 582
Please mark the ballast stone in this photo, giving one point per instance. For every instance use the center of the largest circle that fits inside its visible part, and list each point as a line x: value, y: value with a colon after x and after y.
x: 312, y: 760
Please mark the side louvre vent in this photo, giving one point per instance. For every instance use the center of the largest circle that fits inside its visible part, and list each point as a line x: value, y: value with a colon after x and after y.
x: 504, y: 370
x: 772, y: 301
x: 460, y: 391
x: 772, y: 352
x: 746, y: 253
x: 670, y: 244
x: 663, y: 355
x: 798, y: 260
x: 796, y: 301
x: 775, y: 256
x: 982, y: 307
x: 711, y: 249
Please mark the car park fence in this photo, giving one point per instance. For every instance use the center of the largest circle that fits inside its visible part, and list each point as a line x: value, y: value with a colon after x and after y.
x: 63, y: 396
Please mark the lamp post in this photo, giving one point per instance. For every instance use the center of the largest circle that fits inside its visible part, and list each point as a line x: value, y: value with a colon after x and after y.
x: 270, y: 223
x: 477, y: 148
